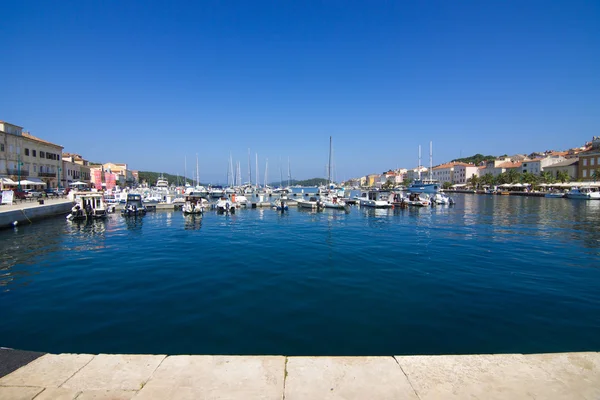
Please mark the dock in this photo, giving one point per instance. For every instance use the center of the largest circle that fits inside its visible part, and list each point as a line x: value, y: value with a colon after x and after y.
x: 27, y: 211
x: 141, y: 377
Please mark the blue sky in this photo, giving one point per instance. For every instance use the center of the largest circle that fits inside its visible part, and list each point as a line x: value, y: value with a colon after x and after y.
x: 149, y: 83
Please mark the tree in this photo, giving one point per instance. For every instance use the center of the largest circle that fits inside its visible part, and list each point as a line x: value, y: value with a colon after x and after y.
x: 547, y: 177
x: 446, y: 185
x: 388, y: 184
x: 487, y: 179
x: 528, y: 177
x: 596, y: 174
x: 512, y: 175
x: 563, y: 176
x: 474, y: 181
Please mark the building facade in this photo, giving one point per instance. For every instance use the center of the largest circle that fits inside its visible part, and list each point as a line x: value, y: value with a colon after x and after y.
x: 464, y: 172
x: 26, y: 157
x: 589, y: 162
x: 569, y: 166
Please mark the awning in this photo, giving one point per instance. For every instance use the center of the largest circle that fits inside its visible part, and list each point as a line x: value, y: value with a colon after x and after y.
x: 7, y: 181
x: 78, y: 183
x: 32, y: 181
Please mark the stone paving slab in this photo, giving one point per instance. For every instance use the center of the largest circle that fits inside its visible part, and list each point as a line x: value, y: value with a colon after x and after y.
x: 50, y: 370
x: 18, y: 392
x: 115, y: 372
x: 500, y: 376
x: 346, y: 378
x: 217, y: 377
x: 57, y: 394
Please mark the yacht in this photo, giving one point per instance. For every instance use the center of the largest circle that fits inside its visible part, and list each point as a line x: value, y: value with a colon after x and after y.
x: 424, y: 186
x: 584, y: 192
x: 134, y: 206
x: 88, y: 206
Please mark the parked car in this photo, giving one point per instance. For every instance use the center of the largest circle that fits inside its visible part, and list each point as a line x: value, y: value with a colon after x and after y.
x: 51, y: 192
x: 32, y: 193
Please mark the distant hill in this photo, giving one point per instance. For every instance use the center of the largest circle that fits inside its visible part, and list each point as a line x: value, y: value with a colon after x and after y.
x: 476, y: 159
x: 152, y: 177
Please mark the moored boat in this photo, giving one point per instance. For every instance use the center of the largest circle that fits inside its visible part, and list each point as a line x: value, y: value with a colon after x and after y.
x: 584, y: 193
x: 225, y: 206
x: 194, y: 204
x: 312, y: 203
x: 134, y: 206
x: 419, y: 200
x: 88, y: 206
x: 375, y: 199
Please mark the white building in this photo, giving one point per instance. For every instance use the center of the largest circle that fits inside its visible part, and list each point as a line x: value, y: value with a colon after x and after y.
x: 463, y: 172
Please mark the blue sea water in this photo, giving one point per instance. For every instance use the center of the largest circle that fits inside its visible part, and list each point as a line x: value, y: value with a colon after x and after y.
x: 490, y: 274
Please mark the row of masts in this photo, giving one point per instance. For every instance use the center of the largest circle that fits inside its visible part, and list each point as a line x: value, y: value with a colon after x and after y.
x: 430, y: 161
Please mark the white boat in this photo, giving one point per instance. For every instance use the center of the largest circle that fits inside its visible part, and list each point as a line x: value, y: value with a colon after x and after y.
x: 194, y: 205
x: 332, y: 200
x: 88, y: 206
x: 225, y: 206
x: 584, y: 192
x: 162, y: 183
x: 419, y: 200
x: 134, y: 206
x: 375, y: 199
x: 442, y: 198
x: 430, y: 186
x: 312, y: 203
x: 280, y: 204
x: 239, y: 200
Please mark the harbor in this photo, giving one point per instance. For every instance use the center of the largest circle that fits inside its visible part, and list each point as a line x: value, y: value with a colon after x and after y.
x: 127, y: 376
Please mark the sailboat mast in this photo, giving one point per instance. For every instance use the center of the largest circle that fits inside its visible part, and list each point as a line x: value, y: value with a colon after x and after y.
x: 419, y: 167
x: 289, y: 174
x: 197, y: 172
x: 257, y: 171
x: 266, y: 171
x: 184, y: 170
x: 329, y: 168
x: 249, y: 169
x: 430, y: 159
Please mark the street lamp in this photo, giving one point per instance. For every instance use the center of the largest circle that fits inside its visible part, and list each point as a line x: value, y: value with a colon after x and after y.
x: 19, y: 163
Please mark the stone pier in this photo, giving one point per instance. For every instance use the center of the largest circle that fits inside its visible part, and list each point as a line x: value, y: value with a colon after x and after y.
x: 482, y: 376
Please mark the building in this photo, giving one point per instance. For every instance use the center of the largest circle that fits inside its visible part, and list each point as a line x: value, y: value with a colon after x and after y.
x: 75, y: 169
x: 417, y: 173
x: 124, y: 176
x: 26, y: 157
x: 570, y: 166
x: 464, y: 172
x: 536, y: 166
x: 589, y: 162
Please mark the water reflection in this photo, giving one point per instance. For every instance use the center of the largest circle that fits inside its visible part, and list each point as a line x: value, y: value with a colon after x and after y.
x: 134, y: 223
x: 192, y: 222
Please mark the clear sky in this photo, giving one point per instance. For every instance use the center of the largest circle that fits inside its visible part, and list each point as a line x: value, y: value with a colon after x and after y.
x: 149, y: 83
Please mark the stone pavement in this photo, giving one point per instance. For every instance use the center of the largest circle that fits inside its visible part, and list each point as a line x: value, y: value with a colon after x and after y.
x: 499, y: 376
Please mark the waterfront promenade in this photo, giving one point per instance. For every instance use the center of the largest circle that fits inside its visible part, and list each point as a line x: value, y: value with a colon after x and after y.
x: 499, y: 376
x: 26, y: 211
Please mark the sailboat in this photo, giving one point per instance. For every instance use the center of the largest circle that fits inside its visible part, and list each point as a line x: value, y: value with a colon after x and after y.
x: 425, y: 185
x: 330, y: 198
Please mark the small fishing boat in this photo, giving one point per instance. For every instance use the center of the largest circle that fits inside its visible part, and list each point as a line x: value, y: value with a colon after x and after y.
x: 280, y: 205
x: 194, y: 204
x: 442, y: 198
x: 312, y: 203
x: 88, y: 206
x: 555, y: 194
x: 225, y: 206
x: 419, y: 200
x: 584, y: 193
x: 134, y: 206
x: 375, y: 199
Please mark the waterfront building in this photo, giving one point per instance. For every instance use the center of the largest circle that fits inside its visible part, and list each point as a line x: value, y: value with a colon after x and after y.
x: 75, y: 169
x: 589, y: 161
x: 537, y: 165
x: 124, y: 175
x: 27, y: 157
x: 463, y: 172
x: 570, y: 166
x: 417, y: 173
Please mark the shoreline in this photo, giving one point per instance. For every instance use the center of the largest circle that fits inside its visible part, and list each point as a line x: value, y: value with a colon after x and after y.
x: 134, y: 376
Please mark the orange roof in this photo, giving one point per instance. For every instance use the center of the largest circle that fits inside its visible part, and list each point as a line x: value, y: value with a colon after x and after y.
x: 37, y: 139
x: 509, y: 164
x: 452, y: 164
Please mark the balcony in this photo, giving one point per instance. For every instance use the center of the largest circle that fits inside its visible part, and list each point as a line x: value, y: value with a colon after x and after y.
x: 15, y: 172
x: 47, y: 174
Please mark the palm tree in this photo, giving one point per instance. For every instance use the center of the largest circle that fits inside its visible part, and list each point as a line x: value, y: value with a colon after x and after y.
x: 596, y: 174
x: 474, y: 180
x: 547, y: 177
x: 512, y: 175
x: 563, y: 176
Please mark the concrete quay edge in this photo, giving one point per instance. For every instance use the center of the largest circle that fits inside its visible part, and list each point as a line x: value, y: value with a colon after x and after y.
x: 29, y: 211
x: 478, y: 376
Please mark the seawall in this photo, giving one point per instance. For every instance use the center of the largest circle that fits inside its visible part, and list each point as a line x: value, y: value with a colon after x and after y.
x: 481, y: 376
x: 27, y: 212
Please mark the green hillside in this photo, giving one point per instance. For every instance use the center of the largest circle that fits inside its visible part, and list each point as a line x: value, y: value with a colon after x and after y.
x: 476, y: 159
x: 151, y: 177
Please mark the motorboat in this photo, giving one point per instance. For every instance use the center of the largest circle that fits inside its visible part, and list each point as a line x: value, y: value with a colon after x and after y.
x: 280, y: 204
x: 134, y: 206
x: 88, y: 206
x: 424, y: 186
x: 194, y: 204
x: 584, y: 192
x: 312, y: 203
x: 442, y: 198
x: 375, y: 199
x: 332, y: 200
x: 225, y: 206
x: 419, y: 200
x: 555, y: 194
x: 239, y: 200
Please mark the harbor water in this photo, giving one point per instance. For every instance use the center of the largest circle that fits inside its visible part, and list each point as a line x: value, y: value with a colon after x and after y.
x: 491, y: 274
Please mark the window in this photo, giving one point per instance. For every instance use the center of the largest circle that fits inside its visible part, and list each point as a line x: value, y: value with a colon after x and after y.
x: 34, y: 153
x: 26, y: 151
x: 1, y: 146
x: 10, y: 148
x: 585, y: 162
x: 585, y: 173
x: 34, y: 167
x: 42, y: 155
x: 592, y: 161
